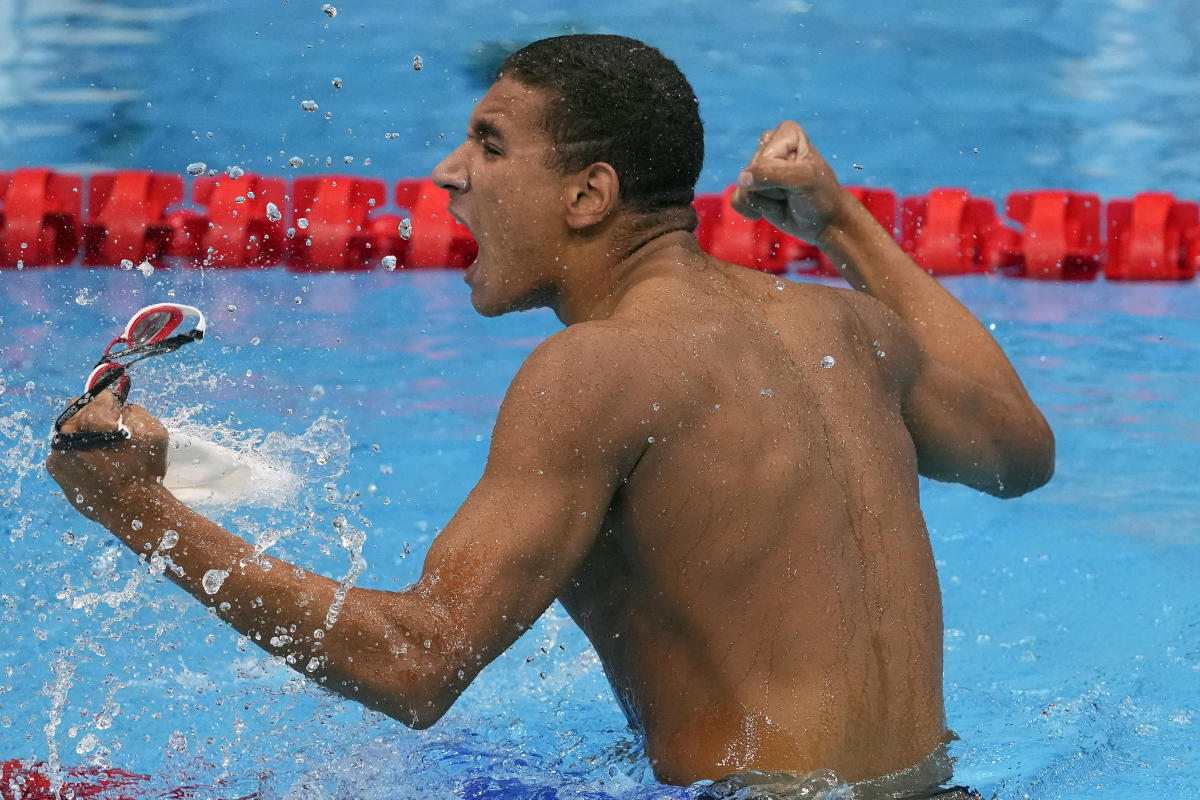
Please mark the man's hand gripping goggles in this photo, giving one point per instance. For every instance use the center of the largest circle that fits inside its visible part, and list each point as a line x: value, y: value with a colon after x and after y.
x: 149, y: 333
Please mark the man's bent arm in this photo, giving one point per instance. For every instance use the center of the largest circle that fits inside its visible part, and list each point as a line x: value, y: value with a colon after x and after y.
x: 971, y: 418
x: 558, y: 453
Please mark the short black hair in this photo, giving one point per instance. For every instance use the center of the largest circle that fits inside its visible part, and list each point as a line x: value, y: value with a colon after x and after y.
x: 621, y: 101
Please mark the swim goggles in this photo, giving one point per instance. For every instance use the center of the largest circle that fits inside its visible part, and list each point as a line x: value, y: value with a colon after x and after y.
x: 149, y: 333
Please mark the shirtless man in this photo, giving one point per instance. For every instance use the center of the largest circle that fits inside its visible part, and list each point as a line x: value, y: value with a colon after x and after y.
x: 714, y: 470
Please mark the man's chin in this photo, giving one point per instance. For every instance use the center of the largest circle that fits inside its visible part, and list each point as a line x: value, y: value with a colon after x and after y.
x: 487, y: 304
x: 486, y: 309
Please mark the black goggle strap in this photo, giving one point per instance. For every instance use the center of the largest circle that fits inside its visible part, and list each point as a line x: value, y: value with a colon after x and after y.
x: 107, y: 379
x: 148, y: 349
x: 92, y: 440
x: 88, y: 440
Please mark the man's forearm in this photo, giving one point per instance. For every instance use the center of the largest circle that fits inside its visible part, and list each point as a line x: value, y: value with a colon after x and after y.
x: 871, y: 260
x: 283, y: 609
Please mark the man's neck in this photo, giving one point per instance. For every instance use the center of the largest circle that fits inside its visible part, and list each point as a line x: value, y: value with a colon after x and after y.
x: 606, y: 268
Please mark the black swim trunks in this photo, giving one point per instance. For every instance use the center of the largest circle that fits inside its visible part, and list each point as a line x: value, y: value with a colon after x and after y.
x: 821, y: 785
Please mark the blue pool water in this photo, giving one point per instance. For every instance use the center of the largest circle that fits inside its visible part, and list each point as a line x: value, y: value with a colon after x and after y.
x: 1072, y: 615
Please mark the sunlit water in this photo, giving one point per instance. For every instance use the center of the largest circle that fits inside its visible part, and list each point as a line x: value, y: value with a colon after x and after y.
x: 1072, y: 617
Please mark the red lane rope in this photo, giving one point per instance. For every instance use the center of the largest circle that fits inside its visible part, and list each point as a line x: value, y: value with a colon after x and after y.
x: 341, y: 223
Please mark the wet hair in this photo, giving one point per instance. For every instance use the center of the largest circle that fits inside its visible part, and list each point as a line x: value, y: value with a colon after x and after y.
x: 620, y: 101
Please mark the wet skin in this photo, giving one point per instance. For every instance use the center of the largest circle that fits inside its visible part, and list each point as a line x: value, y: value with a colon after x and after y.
x: 714, y: 470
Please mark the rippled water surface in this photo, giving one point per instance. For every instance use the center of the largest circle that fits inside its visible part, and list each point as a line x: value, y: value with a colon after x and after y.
x: 1072, y: 617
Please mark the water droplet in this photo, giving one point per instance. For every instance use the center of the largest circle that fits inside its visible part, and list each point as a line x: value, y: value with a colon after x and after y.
x: 83, y: 297
x: 298, y: 301
x: 170, y: 538
x: 235, y: 172
x: 146, y: 268
x: 177, y: 741
x: 309, y: 105
x: 418, y: 63
x: 239, y: 200
x: 880, y: 353
x: 650, y: 439
x: 347, y: 159
x: 391, y: 135
x: 827, y: 362
x: 291, y: 232
x: 126, y: 264
x: 273, y: 213
x: 389, y: 263
x: 768, y: 392
x: 136, y: 524
x: 427, y: 644
x: 656, y: 406
x: 213, y: 579
x: 87, y: 744
x: 196, y: 168
x: 295, y: 161
x: 231, y: 308
x: 337, y: 83
x: 405, y: 229
x: 78, y: 498
x: 255, y: 341
x: 329, y: 10
x: 780, y: 285
x: 302, y: 223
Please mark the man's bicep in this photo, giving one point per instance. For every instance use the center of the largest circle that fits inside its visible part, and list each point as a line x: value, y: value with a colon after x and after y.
x: 981, y: 436
x: 561, y: 445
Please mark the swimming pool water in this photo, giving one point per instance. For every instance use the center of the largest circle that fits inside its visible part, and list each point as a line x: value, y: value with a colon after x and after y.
x: 1092, y: 95
x: 1072, y: 617
x: 1071, y: 614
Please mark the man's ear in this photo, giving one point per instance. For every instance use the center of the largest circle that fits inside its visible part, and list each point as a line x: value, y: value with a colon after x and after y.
x: 592, y: 195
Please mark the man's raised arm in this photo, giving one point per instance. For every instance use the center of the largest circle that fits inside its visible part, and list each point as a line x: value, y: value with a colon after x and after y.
x: 493, y: 570
x: 971, y: 419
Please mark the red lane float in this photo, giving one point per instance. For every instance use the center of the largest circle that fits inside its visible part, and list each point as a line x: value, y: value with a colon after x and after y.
x: 20, y: 780
x: 241, y: 223
x: 949, y: 232
x: 1062, y: 237
x: 1152, y: 237
x: 40, y: 222
x: 341, y: 223
x: 126, y: 218
x: 331, y: 222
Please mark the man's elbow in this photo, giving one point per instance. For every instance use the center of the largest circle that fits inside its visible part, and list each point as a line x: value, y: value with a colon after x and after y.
x: 1032, y: 467
x: 418, y: 704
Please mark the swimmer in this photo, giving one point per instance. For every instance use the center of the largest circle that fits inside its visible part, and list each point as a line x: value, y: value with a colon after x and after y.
x: 713, y: 469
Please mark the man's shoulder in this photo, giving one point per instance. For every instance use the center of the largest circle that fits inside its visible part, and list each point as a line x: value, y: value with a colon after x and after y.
x: 597, y: 349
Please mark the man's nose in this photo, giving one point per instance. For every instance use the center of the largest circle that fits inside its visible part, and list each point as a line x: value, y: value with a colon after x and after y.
x: 452, y: 173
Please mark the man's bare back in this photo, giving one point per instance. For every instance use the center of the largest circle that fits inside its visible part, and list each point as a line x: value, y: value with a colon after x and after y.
x: 770, y: 536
